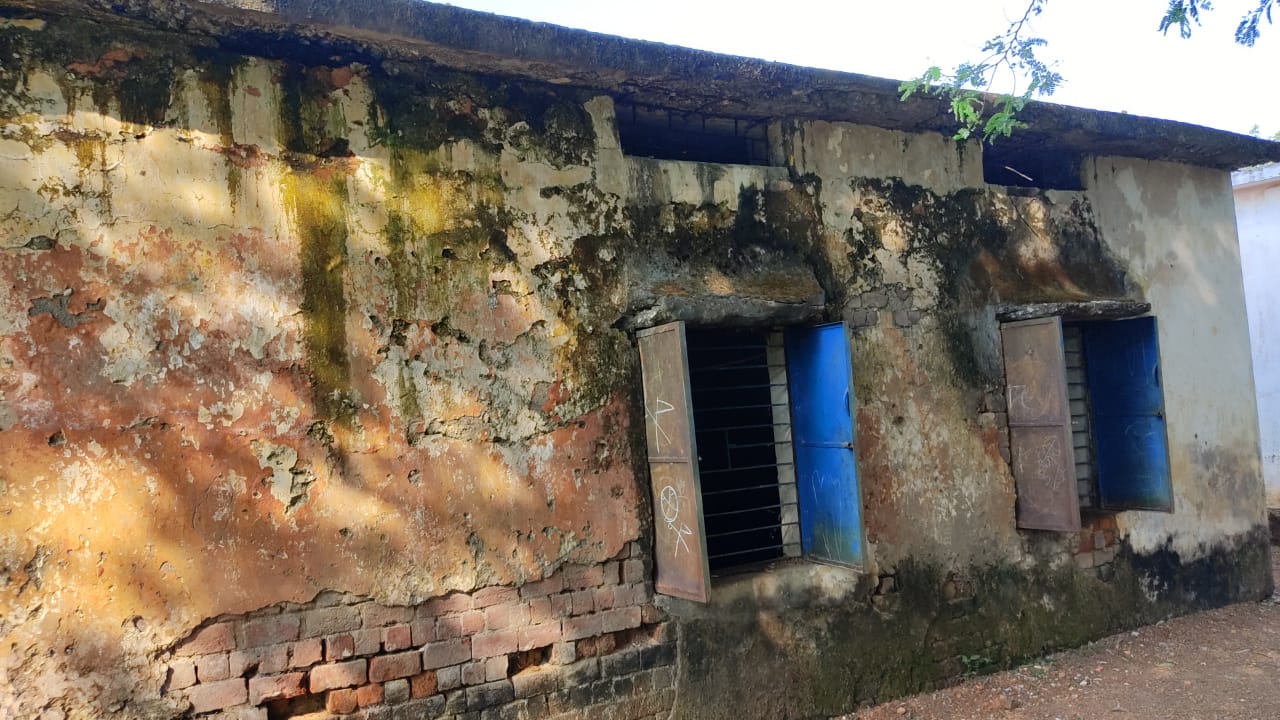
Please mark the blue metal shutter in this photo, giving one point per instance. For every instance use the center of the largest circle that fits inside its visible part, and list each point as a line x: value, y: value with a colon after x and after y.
x: 680, y: 546
x: 820, y: 376
x: 1123, y: 360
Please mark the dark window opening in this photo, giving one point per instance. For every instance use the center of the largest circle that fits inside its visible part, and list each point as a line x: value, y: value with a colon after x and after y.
x: 739, y: 394
x: 1086, y: 467
x: 666, y: 134
x: 1012, y: 165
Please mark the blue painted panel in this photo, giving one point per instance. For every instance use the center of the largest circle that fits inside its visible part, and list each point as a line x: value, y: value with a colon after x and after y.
x: 1123, y: 361
x: 820, y: 377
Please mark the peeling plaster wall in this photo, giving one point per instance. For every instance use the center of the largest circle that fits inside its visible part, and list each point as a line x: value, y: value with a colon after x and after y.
x: 1174, y: 227
x: 251, y: 353
x: 276, y: 330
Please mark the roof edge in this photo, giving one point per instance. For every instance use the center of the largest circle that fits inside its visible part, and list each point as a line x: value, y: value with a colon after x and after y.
x: 654, y: 73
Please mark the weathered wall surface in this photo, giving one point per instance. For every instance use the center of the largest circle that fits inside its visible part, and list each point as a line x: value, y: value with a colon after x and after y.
x: 270, y: 330
x: 1257, y: 199
x: 1174, y: 228
x: 317, y: 390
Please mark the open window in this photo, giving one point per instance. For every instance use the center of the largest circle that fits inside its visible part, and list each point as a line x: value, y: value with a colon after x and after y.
x: 1086, y: 419
x: 751, y: 455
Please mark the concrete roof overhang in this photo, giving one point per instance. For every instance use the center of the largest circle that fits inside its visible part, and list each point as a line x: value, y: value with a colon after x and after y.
x: 638, y: 71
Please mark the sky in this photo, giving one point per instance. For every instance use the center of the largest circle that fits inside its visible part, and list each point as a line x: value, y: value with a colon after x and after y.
x: 1109, y: 51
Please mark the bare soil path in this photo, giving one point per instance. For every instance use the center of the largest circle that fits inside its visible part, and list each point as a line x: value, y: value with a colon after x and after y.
x: 1218, y: 665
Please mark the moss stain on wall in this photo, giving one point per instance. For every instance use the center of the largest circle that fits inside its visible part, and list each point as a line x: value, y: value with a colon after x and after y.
x: 316, y: 199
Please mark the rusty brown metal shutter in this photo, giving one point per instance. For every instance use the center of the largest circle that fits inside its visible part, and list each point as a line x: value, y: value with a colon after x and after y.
x: 1040, y: 425
x: 680, y: 545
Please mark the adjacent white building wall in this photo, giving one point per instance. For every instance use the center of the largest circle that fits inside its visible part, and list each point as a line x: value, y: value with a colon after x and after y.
x: 1257, y: 194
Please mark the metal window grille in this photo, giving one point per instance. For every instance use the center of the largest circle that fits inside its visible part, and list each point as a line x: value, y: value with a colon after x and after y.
x: 742, y: 422
x: 1081, y: 427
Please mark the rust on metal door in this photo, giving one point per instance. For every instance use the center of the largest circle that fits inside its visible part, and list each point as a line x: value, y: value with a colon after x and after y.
x: 680, y: 543
x: 1040, y: 424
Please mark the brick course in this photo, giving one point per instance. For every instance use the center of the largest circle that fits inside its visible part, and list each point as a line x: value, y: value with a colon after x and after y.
x: 212, y: 639
x: 217, y: 695
x: 276, y: 686
x: 338, y: 675
x: 270, y: 630
x: 391, y: 667
x: 451, y: 654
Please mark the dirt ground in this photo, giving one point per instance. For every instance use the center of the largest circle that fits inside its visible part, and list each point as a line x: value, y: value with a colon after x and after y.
x: 1218, y: 665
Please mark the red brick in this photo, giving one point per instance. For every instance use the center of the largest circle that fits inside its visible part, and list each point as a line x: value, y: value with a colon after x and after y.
x: 423, y: 684
x: 498, y: 642
x: 584, y: 601
x: 493, y: 596
x: 562, y: 605
x: 446, y: 652
x: 338, y: 675
x: 330, y: 621
x: 540, y: 610
x: 368, y: 641
x: 639, y: 593
x: 391, y: 667
x: 339, y: 647
x: 633, y: 571
x: 452, y: 603
x: 271, y: 630
x: 212, y: 667
x: 341, y: 702
x: 495, y: 668
x: 473, y: 673
x: 563, y: 653
x: 449, y: 678
x: 536, y: 636
x: 577, y: 577
x: 620, y: 619
x: 472, y: 622
x: 305, y: 653
x: 506, y: 615
x: 217, y: 695
x: 604, y: 597
x: 582, y: 626
x: 367, y: 695
x: 449, y: 627
x: 215, y: 638
x: 426, y: 630
x: 276, y: 686
x: 182, y: 674
x: 609, y: 572
x: 396, y: 637
x: 262, y: 661
x: 536, y: 681
x: 375, y: 615
x: 553, y: 584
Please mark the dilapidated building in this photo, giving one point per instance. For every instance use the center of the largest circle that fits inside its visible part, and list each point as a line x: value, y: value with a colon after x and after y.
x: 390, y: 359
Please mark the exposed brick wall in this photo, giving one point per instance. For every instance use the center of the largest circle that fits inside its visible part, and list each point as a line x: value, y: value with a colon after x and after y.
x: 582, y: 637
x: 1098, y: 541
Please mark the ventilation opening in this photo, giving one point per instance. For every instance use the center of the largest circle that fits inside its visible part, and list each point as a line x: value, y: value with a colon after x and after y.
x: 738, y: 384
x: 665, y: 134
x: 1031, y: 167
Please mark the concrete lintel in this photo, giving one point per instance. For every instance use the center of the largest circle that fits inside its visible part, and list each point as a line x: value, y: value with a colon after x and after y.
x: 1086, y: 310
